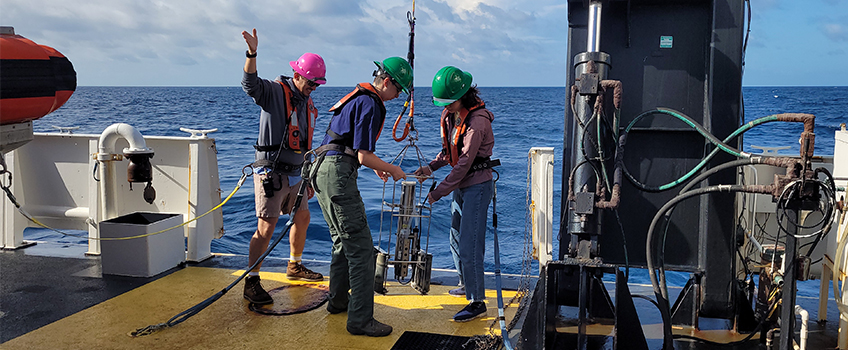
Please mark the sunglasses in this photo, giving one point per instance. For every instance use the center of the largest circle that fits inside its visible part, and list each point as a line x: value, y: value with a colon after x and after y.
x: 397, y: 86
x: 312, y: 84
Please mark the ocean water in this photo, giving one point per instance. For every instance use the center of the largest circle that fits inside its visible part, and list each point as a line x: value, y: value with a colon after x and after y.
x: 524, y: 118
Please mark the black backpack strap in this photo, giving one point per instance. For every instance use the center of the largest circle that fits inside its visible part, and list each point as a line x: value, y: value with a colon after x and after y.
x: 310, y: 169
x: 278, y: 166
x: 270, y: 148
x: 342, y: 149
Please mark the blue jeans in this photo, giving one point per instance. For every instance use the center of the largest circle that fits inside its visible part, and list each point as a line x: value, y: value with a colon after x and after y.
x: 469, y: 218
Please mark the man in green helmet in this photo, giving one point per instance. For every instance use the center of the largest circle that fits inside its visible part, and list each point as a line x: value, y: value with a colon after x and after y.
x: 350, y: 142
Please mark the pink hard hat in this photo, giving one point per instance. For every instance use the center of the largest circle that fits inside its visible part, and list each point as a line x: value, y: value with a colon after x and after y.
x: 310, y: 66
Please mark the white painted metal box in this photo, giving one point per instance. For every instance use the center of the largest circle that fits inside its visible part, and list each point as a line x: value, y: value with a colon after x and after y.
x: 146, y: 256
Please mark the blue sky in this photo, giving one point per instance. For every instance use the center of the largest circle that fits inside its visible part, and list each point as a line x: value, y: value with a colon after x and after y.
x: 502, y: 42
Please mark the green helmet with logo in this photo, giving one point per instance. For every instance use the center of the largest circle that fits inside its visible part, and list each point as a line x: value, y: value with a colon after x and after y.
x: 399, y: 69
x: 449, y: 84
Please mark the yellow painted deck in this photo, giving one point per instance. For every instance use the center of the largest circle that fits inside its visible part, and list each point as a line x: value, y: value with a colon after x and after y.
x: 229, y: 324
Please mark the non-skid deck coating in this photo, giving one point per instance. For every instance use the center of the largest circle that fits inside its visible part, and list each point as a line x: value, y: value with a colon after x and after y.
x: 228, y: 324
x: 54, y: 297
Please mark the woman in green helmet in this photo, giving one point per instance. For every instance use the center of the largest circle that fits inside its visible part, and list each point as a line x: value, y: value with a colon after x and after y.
x: 467, y: 142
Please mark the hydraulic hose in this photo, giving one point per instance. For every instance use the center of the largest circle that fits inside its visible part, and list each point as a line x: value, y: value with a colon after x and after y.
x: 782, y: 162
x: 737, y: 132
x: 779, y: 162
x: 832, y: 185
x: 692, y: 123
x: 660, y: 291
x: 827, y: 215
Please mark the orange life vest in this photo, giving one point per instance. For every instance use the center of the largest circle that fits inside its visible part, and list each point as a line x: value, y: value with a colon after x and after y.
x: 453, y: 147
x: 292, y: 139
x: 361, y: 88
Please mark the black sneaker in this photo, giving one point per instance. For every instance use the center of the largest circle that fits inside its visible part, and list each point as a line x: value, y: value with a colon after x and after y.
x: 335, y: 310
x: 254, y: 292
x: 373, y: 328
x: 470, y: 312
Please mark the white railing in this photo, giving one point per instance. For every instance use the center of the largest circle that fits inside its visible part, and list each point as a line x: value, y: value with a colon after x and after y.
x: 54, y: 180
x: 541, y: 202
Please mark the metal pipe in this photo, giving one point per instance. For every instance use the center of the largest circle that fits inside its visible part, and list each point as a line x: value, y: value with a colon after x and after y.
x: 593, y: 42
x: 787, y: 315
x: 121, y: 130
x: 805, y: 318
x: 770, y: 337
x: 106, y: 145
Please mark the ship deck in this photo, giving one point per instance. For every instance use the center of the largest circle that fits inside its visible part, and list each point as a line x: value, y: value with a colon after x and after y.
x: 53, y: 296
x: 64, y: 302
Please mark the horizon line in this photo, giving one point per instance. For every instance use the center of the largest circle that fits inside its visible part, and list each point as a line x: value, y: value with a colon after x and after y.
x: 523, y: 86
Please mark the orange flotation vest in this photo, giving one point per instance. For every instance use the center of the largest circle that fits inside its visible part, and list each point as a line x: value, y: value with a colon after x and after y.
x: 292, y: 138
x: 34, y: 79
x: 360, y: 89
x: 453, y: 147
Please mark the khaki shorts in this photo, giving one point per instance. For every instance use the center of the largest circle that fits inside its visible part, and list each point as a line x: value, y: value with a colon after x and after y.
x: 283, y: 200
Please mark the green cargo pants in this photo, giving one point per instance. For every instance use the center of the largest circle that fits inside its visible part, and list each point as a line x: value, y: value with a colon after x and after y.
x: 352, y: 264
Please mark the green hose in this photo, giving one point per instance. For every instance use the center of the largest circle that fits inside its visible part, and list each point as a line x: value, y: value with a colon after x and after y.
x: 721, y: 145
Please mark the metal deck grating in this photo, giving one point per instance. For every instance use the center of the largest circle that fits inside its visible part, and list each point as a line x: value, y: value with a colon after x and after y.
x: 411, y: 340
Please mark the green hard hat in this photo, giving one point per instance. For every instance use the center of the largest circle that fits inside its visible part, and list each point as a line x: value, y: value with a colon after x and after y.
x: 399, y: 69
x: 449, y: 84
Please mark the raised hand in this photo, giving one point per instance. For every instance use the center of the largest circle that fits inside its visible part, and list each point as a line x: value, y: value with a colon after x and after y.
x: 251, y: 40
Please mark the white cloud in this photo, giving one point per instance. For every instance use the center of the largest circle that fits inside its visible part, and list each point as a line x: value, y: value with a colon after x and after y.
x: 123, y: 37
x: 836, y: 32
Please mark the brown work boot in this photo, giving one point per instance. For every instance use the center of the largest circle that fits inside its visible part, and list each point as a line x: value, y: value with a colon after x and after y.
x: 254, y: 292
x: 373, y: 328
x: 297, y: 272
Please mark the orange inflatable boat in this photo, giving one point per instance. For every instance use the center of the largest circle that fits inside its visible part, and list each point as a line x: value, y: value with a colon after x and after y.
x: 34, y: 79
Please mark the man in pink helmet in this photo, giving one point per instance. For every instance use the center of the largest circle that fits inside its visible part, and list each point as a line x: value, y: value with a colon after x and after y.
x: 285, y: 134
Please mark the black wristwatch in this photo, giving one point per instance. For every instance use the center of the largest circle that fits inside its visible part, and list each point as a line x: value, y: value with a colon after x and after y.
x: 247, y: 53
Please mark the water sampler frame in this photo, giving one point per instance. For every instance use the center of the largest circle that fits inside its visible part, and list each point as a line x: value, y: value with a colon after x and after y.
x: 403, y: 214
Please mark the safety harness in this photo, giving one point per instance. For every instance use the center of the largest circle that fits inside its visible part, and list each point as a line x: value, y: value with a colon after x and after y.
x: 343, y: 144
x: 293, y: 139
x: 453, y: 146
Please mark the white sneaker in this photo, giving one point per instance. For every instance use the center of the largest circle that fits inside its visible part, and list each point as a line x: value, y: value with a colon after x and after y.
x: 457, y: 292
